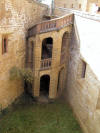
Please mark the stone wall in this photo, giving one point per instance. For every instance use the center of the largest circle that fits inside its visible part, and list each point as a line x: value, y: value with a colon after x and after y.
x: 84, y: 5
x: 90, y: 4
x: 79, y: 5
x: 16, y: 16
x: 83, y: 93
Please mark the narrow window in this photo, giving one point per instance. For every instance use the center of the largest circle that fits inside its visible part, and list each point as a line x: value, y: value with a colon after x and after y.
x: 83, y: 69
x: 98, y: 9
x: 72, y: 6
x: 4, y: 45
x: 64, y: 5
x: 79, y: 6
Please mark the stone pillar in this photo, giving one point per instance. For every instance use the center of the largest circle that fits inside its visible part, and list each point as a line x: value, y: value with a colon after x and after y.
x: 36, y: 87
x: 53, y: 85
x: 37, y: 60
x: 1, y: 45
x: 55, y: 65
x: 61, y: 81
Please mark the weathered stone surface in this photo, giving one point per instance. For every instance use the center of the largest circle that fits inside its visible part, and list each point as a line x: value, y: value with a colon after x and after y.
x: 82, y: 5
x: 83, y: 94
x: 56, y: 65
x: 16, y: 16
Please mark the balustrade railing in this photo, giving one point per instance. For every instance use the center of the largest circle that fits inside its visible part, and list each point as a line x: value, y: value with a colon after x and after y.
x: 51, y: 25
x: 46, y: 63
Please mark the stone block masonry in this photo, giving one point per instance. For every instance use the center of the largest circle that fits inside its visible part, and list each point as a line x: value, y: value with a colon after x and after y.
x: 16, y: 16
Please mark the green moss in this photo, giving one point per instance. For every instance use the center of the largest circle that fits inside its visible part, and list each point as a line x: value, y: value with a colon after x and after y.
x: 24, y: 74
x: 40, y: 118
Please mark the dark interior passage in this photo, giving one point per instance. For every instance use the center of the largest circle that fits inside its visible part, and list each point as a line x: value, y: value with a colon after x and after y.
x: 28, y: 88
x: 44, y: 85
x: 64, y: 47
x: 47, y: 48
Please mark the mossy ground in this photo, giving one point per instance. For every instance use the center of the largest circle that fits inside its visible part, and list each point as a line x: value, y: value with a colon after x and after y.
x: 56, y: 117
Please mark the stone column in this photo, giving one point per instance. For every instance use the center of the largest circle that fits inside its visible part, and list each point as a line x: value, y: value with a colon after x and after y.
x: 53, y: 84
x: 36, y: 87
x: 37, y: 60
x: 55, y: 65
x: 1, y: 45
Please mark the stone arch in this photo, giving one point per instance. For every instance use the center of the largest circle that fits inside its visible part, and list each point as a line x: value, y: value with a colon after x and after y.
x: 29, y: 54
x: 47, y: 45
x: 61, y: 81
x: 98, y: 101
x: 44, y: 85
x: 64, y: 47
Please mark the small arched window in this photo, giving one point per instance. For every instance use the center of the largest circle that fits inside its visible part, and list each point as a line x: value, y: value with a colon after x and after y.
x: 4, y: 44
x: 72, y: 5
x: 79, y: 6
x: 83, y: 69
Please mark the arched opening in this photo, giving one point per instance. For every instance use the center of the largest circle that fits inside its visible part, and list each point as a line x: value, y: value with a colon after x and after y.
x: 61, y: 81
x: 64, y: 47
x: 47, y: 45
x: 28, y: 88
x: 29, y: 55
x: 44, y: 85
x: 98, y: 101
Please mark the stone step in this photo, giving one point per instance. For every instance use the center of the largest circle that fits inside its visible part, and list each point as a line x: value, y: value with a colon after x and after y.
x: 43, y: 99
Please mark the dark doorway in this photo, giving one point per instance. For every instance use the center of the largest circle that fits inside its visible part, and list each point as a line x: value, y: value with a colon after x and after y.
x: 64, y: 47
x: 61, y: 81
x: 28, y: 88
x: 47, y: 48
x: 44, y: 85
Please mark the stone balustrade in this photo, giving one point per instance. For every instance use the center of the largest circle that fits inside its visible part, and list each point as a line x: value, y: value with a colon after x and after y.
x: 46, y: 63
x: 54, y: 24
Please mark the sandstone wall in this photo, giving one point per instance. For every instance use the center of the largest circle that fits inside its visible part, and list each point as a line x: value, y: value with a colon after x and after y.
x: 83, y: 94
x: 16, y: 16
x: 90, y: 4
x: 79, y: 5
x: 84, y: 5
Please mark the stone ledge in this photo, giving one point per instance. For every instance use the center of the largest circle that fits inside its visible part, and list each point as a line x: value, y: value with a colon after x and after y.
x: 92, y: 16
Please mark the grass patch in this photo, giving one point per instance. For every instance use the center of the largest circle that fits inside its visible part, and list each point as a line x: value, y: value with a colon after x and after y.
x: 40, y: 118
